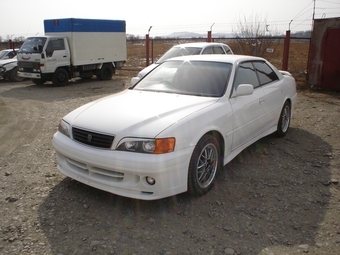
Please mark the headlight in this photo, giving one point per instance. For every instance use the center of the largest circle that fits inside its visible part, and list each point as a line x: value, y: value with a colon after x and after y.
x: 151, y: 146
x: 64, y: 128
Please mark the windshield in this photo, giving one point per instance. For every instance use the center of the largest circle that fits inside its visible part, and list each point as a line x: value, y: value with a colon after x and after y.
x: 33, y: 45
x: 2, y: 54
x: 199, y: 78
x: 179, y: 51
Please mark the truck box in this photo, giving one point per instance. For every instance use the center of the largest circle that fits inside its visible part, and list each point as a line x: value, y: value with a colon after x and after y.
x: 91, y: 41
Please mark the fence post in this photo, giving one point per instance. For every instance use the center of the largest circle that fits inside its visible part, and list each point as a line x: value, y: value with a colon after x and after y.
x: 209, y: 36
x: 147, y: 47
x: 286, y: 51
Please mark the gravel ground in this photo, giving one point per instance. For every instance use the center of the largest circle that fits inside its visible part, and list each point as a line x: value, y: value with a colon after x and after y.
x: 279, y: 196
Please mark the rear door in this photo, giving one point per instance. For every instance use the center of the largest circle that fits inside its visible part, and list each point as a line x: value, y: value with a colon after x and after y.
x: 273, y: 90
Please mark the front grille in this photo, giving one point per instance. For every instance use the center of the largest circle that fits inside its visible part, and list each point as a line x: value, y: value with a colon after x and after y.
x: 28, y: 66
x: 92, y: 138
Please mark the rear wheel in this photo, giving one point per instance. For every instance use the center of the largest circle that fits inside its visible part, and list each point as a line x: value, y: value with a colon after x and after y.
x: 106, y: 72
x: 205, y: 162
x: 13, y: 76
x: 284, y: 120
x: 60, y: 77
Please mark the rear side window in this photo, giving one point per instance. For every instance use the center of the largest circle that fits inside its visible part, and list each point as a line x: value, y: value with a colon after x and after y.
x: 218, y: 50
x: 265, y: 73
x: 227, y: 49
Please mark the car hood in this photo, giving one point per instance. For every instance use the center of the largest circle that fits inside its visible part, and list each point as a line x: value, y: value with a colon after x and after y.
x: 7, y: 61
x: 136, y: 113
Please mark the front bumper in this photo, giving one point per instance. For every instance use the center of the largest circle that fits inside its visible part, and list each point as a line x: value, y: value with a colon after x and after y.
x: 30, y: 75
x: 123, y: 173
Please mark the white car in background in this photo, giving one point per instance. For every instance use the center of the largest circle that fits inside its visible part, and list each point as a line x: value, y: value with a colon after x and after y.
x: 9, y: 70
x: 8, y: 53
x: 197, y: 48
x: 173, y: 130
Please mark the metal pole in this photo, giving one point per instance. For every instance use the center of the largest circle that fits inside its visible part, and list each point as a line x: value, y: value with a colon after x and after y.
x: 147, y: 47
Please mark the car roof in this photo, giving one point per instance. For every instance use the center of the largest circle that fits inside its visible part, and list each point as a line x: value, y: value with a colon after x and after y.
x: 232, y: 59
x: 199, y: 44
x: 10, y: 50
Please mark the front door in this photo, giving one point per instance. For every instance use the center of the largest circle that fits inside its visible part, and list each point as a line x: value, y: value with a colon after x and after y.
x: 56, y: 54
x: 248, y: 111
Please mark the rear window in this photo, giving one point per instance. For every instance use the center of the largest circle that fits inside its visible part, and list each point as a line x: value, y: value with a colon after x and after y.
x: 179, y: 51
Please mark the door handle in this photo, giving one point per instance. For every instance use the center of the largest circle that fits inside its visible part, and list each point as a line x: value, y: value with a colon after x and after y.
x: 262, y: 101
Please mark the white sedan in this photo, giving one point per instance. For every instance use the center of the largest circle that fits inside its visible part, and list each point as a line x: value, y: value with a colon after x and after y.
x: 173, y: 130
x: 195, y: 48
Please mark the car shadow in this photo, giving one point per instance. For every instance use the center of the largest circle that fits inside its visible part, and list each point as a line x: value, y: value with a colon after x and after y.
x: 76, y: 88
x: 274, y: 193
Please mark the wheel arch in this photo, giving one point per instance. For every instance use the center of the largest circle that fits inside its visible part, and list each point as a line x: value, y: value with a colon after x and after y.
x: 219, y: 137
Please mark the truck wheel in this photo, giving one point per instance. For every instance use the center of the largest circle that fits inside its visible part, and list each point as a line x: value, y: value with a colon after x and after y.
x: 106, y: 72
x: 60, y: 77
x: 38, y: 81
x: 13, y: 76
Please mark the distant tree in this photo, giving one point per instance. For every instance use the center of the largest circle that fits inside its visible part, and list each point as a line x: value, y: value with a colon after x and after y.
x: 253, y: 35
x: 132, y: 37
x: 19, y: 39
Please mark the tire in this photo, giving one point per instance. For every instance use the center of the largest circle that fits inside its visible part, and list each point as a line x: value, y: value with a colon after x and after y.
x: 205, y: 162
x: 38, y: 81
x: 13, y: 75
x: 60, y: 77
x: 106, y: 72
x: 284, y: 120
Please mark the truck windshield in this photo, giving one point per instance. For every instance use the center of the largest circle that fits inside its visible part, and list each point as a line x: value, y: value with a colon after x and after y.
x: 33, y: 45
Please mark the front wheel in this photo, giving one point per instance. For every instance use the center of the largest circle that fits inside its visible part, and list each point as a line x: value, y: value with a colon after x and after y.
x: 13, y: 76
x: 60, y: 77
x: 284, y: 120
x: 205, y: 162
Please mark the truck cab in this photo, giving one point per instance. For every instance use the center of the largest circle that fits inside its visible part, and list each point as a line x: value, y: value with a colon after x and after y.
x: 40, y: 57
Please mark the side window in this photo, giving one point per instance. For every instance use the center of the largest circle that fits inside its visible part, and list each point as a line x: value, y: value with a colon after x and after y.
x: 227, y: 50
x: 218, y: 50
x: 265, y: 73
x: 246, y: 74
x: 11, y: 54
x: 53, y: 45
x: 208, y: 50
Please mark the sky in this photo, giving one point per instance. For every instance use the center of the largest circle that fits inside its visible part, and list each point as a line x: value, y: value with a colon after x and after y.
x: 166, y: 17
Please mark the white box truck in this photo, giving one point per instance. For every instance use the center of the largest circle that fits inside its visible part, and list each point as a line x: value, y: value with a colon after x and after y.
x: 73, y: 47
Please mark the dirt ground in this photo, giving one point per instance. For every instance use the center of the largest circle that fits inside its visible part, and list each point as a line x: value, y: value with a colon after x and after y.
x: 279, y: 196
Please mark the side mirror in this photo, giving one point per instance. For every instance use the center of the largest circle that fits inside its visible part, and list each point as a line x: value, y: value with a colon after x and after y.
x: 243, y: 90
x: 134, y: 80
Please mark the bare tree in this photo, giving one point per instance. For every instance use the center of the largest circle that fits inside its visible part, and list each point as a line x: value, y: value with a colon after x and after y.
x: 255, y: 37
